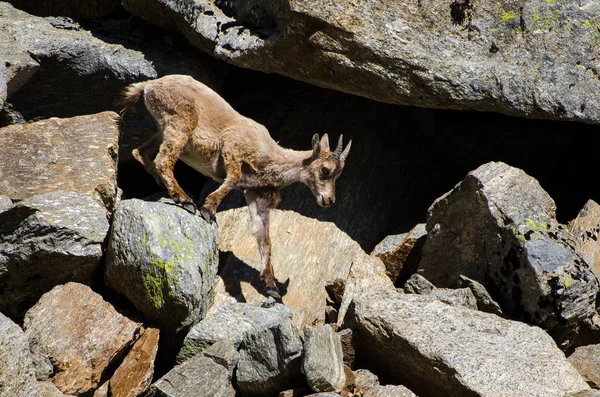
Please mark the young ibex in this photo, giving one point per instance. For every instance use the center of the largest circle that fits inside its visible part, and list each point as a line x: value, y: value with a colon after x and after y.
x: 198, y: 126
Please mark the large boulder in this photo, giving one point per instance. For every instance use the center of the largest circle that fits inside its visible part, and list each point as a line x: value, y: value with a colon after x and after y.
x: 586, y: 359
x: 456, y: 352
x: 82, y: 334
x: 206, y: 374
x: 16, y: 68
x: 17, y: 376
x: 498, y: 227
x: 45, y: 241
x: 83, y: 72
x: 496, y: 56
x: 269, y: 344
x: 306, y: 254
x: 78, y: 154
x: 164, y: 260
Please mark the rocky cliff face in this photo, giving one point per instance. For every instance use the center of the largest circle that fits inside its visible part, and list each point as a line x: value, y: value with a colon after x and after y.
x: 460, y: 257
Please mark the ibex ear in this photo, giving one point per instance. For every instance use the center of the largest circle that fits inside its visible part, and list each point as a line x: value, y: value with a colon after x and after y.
x: 325, y: 142
x: 315, y: 146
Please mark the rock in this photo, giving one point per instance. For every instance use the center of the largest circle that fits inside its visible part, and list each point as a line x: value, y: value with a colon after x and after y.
x: 493, y: 57
x: 134, y: 375
x: 48, y: 240
x: 102, y: 391
x: 400, y: 253
x: 586, y: 393
x: 418, y: 284
x: 17, y: 377
x: 299, y: 392
x: 586, y: 230
x: 303, y: 260
x: 164, y: 260
x: 349, y: 342
x: 77, y: 154
x: 80, y: 9
x: 323, y: 362
x: 485, y: 303
x: 269, y: 361
x: 366, y: 274
x: 269, y: 345
x: 586, y: 360
x: 5, y: 203
x: 207, y: 374
x: 232, y: 323
x: 335, y: 290
x: 82, y: 74
x: 461, y: 297
x: 49, y: 389
x: 498, y: 227
x: 368, y: 384
x: 17, y: 66
x: 43, y: 367
x: 80, y: 333
x: 366, y: 379
x: 496, y: 356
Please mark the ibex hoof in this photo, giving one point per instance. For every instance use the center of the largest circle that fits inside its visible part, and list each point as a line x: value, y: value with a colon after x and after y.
x: 273, y: 292
x: 209, y: 216
x: 189, y: 207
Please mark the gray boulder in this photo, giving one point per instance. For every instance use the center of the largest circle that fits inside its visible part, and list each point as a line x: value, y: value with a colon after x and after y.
x: 164, y: 260
x: 206, y: 374
x: 45, y: 241
x: 586, y: 231
x: 323, y: 362
x: 17, y: 377
x: 456, y: 352
x: 495, y: 56
x: 485, y: 303
x: 16, y: 67
x: 232, y: 323
x: 586, y: 359
x: 80, y: 73
x: 498, y: 227
x: 269, y: 344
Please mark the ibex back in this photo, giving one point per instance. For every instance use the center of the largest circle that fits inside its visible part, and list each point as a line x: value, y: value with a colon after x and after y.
x: 199, y: 127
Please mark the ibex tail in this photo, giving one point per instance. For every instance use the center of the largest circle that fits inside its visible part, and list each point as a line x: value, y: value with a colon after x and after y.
x: 130, y: 96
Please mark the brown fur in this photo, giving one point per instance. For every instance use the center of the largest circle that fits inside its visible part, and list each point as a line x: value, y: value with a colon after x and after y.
x: 199, y: 127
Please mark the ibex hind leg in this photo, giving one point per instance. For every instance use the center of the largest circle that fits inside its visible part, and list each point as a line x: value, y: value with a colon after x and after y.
x: 146, y: 153
x: 173, y: 143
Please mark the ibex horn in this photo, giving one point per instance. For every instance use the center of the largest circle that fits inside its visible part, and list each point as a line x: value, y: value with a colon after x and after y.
x: 340, y: 145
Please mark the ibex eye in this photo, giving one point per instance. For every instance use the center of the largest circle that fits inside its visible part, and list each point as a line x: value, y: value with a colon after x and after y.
x: 326, y: 171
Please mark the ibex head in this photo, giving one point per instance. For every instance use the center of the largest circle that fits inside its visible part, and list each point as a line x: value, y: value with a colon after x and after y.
x: 324, y: 168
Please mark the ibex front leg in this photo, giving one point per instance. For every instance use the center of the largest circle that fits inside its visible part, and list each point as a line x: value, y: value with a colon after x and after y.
x: 260, y: 203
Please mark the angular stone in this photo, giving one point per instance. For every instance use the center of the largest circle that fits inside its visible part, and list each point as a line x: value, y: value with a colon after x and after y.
x: 303, y: 260
x: 17, y: 377
x: 134, y: 375
x: 207, y: 374
x: 366, y: 274
x: 348, y: 339
x: 418, y: 284
x: 485, y: 303
x: 77, y: 154
x: 232, y: 323
x: 80, y: 9
x: 586, y: 360
x: 401, y: 251
x: 269, y: 361
x: 81, y: 333
x: 5, y: 203
x: 498, y: 56
x: 496, y: 356
x: 323, y: 362
x: 16, y: 68
x: 48, y: 240
x: 49, y: 389
x: 102, y: 391
x: 369, y: 386
x: 83, y: 72
x: 586, y: 230
x: 460, y: 297
x: 498, y: 227
x: 164, y: 260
